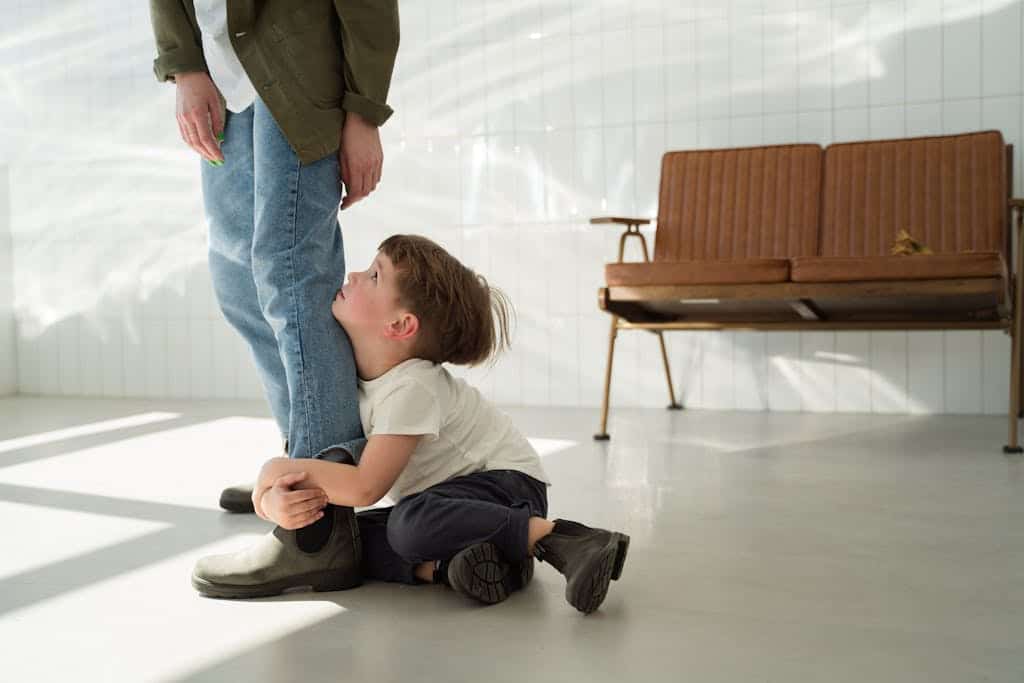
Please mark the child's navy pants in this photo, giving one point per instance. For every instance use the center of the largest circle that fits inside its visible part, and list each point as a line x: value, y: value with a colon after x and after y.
x: 438, y: 522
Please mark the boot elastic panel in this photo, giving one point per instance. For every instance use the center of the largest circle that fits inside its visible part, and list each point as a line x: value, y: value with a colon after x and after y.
x: 314, y: 537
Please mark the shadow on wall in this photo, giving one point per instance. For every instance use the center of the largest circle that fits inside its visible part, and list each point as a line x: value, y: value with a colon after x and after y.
x: 505, y: 115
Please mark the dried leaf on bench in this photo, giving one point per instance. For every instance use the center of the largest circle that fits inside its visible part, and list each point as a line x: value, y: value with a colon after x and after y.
x: 905, y: 245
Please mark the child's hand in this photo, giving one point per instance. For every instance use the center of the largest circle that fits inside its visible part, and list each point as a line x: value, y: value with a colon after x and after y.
x: 293, y: 508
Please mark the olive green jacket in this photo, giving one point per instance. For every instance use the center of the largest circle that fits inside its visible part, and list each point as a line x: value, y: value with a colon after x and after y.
x: 309, y: 60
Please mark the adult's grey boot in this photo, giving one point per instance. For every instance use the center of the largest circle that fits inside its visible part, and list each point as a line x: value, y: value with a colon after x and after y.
x: 590, y: 559
x: 239, y: 498
x: 481, y: 572
x: 324, y: 556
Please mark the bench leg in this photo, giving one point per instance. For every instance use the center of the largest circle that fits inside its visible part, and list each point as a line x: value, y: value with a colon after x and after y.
x: 1015, y: 400
x: 1020, y: 394
x: 672, y: 405
x: 1020, y: 397
x: 603, y: 434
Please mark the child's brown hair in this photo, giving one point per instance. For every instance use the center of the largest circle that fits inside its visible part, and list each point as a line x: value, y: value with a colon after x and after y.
x: 463, y: 319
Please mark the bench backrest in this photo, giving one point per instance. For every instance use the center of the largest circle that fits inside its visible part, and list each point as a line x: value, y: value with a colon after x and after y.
x: 948, y: 192
x: 757, y: 202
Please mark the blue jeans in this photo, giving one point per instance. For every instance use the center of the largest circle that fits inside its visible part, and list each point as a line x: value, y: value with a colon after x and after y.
x: 276, y: 258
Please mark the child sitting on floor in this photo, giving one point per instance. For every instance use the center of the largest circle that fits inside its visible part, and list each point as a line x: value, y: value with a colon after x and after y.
x: 469, y: 489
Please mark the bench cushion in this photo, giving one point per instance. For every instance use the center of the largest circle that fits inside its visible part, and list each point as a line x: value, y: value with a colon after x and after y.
x: 739, y: 271
x: 948, y: 192
x: 876, y: 268
x: 746, y: 203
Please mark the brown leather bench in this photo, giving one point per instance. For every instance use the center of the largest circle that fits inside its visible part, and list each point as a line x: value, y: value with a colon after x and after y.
x: 793, y: 237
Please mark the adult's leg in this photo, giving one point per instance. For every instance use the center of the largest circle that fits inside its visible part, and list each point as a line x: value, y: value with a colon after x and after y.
x: 228, y: 200
x: 298, y: 264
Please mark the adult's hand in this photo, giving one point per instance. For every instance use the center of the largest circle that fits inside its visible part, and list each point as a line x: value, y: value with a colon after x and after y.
x: 198, y: 112
x: 360, y: 158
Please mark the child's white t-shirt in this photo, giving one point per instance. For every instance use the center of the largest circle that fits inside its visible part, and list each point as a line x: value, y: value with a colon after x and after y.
x: 463, y: 432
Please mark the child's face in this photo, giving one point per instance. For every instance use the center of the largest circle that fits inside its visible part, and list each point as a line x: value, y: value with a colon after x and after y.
x: 368, y: 303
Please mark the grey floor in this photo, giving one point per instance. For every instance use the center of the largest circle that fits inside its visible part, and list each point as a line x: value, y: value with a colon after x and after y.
x: 766, y: 547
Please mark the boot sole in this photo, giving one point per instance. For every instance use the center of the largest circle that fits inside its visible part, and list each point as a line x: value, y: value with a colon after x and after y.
x: 480, y: 573
x: 315, y: 581
x: 588, y: 594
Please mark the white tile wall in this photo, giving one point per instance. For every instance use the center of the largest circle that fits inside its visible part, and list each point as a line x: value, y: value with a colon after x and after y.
x: 8, y: 344
x: 514, y: 124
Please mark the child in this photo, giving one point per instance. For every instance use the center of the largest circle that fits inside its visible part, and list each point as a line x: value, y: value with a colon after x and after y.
x: 470, y: 491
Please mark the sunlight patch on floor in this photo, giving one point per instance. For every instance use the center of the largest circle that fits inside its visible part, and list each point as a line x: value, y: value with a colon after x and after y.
x: 186, y: 465
x: 546, y: 447
x: 148, y: 620
x: 84, y: 430
x: 45, y: 536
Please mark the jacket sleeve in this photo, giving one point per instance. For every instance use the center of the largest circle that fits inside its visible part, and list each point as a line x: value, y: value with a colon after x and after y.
x: 178, y: 44
x: 369, y: 39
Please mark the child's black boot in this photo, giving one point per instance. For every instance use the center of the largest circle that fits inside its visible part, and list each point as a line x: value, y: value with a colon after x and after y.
x: 588, y: 558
